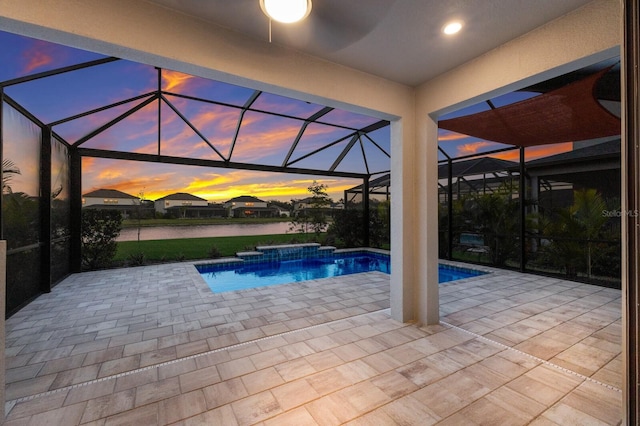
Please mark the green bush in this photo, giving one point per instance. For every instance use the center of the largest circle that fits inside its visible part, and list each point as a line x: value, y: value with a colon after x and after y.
x: 347, y: 230
x: 136, y: 259
x: 100, y: 228
x: 215, y: 253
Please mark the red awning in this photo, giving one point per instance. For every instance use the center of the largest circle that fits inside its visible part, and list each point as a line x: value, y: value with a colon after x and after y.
x: 570, y: 113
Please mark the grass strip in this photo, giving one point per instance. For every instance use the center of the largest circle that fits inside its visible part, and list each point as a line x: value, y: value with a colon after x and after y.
x: 200, y: 248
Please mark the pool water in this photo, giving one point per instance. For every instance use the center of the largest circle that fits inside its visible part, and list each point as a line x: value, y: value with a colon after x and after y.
x: 233, y: 276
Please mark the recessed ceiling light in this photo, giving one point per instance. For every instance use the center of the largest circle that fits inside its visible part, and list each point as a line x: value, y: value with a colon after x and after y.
x: 452, y: 28
x: 286, y: 11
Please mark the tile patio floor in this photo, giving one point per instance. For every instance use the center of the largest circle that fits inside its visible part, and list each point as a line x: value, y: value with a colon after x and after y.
x: 152, y: 345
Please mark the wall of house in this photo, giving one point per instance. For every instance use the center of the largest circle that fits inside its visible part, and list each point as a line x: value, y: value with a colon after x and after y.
x: 90, y: 201
x: 174, y: 203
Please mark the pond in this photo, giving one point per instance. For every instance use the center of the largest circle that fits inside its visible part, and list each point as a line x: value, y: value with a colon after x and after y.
x: 201, y: 231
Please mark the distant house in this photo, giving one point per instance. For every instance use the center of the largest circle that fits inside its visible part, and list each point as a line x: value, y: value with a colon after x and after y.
x: 280, y: 211
x: 108, y: 197
x: 112, y: 199
x: 181, y: 204
x: 248, y: 206
x: 302, y: 206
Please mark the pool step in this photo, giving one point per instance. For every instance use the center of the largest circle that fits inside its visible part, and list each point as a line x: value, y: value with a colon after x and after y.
x: 285, y: 252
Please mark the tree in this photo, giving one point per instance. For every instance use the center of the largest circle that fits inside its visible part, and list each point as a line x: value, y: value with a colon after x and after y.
x: 100, y: 228
x: 573, y: 231
x: 9, y: 169
x: 495, y: 217
x: 587, y: 208
x: 138, y: 210
x: 314, y: 217
x: 347, y: 229
x: 319, y: 202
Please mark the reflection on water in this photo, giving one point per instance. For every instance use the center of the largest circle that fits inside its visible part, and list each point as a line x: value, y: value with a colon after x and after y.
x: 200, y: 231
x: 239, y: 276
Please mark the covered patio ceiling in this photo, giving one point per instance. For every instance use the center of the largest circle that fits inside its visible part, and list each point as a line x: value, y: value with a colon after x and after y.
x: 105, y: 107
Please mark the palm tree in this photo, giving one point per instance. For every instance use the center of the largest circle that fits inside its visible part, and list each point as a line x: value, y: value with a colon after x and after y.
x: 583, y: 220
x: 8, y: 170
x: 587, y: 208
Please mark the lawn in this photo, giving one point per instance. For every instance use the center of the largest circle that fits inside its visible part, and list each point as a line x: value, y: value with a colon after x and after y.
x: 199, y: 248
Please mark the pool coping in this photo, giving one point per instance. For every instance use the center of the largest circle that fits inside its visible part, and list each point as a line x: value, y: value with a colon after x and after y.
x: 238, y: 260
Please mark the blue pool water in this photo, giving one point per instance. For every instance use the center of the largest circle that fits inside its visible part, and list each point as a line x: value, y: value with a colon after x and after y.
x: 239, y: 276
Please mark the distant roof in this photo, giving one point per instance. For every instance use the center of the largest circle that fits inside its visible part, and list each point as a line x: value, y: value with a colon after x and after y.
x: 591, y: 152
x: 379, y: 182
x: 245, y: 199
x: 476, y: 166
x: 108, y: 193
x: 181, y: 196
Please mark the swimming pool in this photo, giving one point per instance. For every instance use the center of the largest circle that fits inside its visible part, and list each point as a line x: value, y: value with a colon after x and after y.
x: 233, y: 276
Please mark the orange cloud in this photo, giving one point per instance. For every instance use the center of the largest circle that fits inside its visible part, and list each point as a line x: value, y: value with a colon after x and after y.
x: 534, y: 152
x: 473, y: 147
x: 257, y: 141
x: 88, y: 162
x: 37, y: 56
x: 175, y: 80
x: 185, y: 142
x: 445, y: 136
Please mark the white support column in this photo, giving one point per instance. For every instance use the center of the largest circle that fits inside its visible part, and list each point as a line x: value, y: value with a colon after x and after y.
x: 414, y: 221
x: 402, y: 232
x: 426, y: 229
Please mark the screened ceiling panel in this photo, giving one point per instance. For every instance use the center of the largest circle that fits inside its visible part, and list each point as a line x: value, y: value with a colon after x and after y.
x: 377, y: 160
x: 323, y: 159
x: 202, y: 88
x: 120, y: 107
x: 353, y: 161
x: 450, y: 142
x: 317, y: 136
x: 137, y: 133
x: 283, y: 105
x: 382, y: 138
x: 178, y: 139
x: 217, y: 123
x: 73, y: 130
x: 264, y: 138
x: 83, y: 90
x: 33, y: 56
x: 348, y: 119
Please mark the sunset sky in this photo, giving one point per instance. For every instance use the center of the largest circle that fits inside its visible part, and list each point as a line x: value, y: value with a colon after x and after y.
x: 263, y: 139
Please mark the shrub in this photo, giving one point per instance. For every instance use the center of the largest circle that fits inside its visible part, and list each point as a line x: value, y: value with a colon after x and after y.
x: 100, y: 228
x: 136, y: 259
x: 347, y: 228
x: 214, y: 253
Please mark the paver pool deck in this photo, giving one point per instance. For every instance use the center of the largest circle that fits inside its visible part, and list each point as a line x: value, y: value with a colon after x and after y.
x: 152, y: 345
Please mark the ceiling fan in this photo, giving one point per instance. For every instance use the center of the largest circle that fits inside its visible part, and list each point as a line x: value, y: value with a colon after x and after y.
x: 330, y: 24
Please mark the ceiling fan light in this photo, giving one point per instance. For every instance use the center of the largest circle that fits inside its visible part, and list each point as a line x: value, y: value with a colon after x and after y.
x: 286, y: 11
x: 452, y: 28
